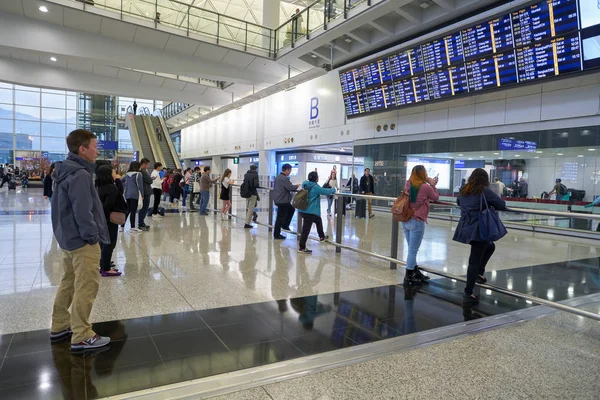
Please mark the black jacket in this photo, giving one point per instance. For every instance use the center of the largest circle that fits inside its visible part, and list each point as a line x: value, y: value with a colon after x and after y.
x: 112, y: 200
x: 367, y: 186
x: 467, y: 230
x: 251, y: 178
x: 147, y: 183
x: 48, y: 186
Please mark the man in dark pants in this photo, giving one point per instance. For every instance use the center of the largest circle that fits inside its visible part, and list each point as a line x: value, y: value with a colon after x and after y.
x: 282, y: 192
x: 147, y: 193
x: 156, y: 187
x: 367, y: 187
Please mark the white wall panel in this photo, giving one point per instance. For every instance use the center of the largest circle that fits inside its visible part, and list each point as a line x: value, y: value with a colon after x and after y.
x: 268, y: 123
x: 490, y: 113
x: 523, y: 109
x: 461, y: 117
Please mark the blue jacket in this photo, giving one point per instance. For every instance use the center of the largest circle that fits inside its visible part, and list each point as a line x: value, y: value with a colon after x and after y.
x: 77, y: 213
x: 134, y: 185
x: 314, y: 196
x: 467, y: 229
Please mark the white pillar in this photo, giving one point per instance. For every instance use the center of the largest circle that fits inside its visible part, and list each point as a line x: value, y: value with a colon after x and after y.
x: 267, y: 164
x: 270, y: 18
x: 215, y: 168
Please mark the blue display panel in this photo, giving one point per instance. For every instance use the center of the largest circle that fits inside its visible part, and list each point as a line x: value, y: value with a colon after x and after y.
x: 539, y: 41
x: 512, y: 144
x: 544, y: 20
x: 549, y: 58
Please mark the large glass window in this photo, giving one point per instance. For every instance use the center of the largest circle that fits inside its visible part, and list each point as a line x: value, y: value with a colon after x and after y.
x: 6, y: 126
x: 56, y: 130
x: 6, y: 140
x: 27, y: 113
x: 27, y: 142
x: 55, y: 145
x: 27, y: 98
x: 54, y: 100
x: 27, y: 127
x: 6, y: 96
x: 53, y: 115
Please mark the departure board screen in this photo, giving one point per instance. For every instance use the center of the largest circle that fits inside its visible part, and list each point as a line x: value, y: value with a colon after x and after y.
x: 545, y: 39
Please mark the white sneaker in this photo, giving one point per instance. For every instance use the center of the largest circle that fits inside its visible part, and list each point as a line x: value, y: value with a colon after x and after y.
x: 135, y: 230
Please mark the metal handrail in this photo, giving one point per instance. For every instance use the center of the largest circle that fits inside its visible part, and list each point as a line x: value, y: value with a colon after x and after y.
x: 512, y: 293
x: 219, y: 14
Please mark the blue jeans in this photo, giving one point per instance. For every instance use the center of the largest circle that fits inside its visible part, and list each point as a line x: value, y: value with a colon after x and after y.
x: 185, y: 194
x: 144, y: 211
x: 413, y: 232
x: 204, y: 197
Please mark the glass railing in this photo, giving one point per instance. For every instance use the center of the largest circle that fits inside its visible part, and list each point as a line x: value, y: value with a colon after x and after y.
x: 197, y: 22
x: 172, y: 109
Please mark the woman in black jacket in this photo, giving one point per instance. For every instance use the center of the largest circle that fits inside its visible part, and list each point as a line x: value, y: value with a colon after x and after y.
x: 48, y: 183
x: 467, y: 230
x: 113, y: 201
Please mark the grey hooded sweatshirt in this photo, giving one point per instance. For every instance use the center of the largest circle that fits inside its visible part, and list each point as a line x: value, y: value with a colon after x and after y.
x: 77, y: 213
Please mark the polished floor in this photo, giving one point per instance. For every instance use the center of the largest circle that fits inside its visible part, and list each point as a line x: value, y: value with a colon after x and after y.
x: 194, y: 283
x: 158, y: 350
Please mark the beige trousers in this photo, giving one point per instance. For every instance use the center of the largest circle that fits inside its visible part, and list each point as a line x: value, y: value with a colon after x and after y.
x: 78, y: 287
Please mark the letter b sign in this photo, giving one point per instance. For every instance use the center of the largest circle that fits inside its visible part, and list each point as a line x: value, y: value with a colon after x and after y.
x: 314, y: 108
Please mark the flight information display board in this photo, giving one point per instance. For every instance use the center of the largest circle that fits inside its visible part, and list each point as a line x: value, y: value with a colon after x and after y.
x: 546, y: 39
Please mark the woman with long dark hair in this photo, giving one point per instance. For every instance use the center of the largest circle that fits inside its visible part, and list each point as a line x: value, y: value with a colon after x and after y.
x: 48, y: 183
x: 112, y: 201
x: 471, y: 202
x: 421, y: 190
x: 133, y: 190
x: 331, y: 183
x: 226, y: 183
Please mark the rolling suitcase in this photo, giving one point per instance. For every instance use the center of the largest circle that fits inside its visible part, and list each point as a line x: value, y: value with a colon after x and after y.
x: 336, y: 206
x: 361, y: 208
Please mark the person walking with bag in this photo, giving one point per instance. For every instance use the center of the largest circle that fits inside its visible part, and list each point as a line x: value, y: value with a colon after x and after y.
x: 133, y: 192
x: 479, y: 226
x: 115, y: 211
x: 312, y: 214
x: 251, y: 185
x: 282, y: 194
x: 421, y: 190
x: 331, y: 183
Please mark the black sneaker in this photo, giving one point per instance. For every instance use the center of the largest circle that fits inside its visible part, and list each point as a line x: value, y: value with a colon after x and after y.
x: 304, y: 251
x: 481, y: 279
x: 92, y: 343
x: 246, y: 226
x: 411, y: 279
x: 144, y: 228
x: 254, y: 217
x: 58, y: 336
x: 324, y: 238
x: 420, y: 276
x: 280, y: 237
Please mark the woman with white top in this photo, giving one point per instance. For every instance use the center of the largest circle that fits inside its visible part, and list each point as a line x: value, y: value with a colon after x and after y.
x: 331, y: 183
x: 226, y: 183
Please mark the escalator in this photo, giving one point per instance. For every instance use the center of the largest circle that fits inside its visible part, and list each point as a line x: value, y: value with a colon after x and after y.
x: 162, y: 142
x: 148, y: 138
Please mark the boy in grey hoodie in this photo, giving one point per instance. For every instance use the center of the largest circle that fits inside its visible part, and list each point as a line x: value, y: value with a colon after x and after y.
x: 79, y: 226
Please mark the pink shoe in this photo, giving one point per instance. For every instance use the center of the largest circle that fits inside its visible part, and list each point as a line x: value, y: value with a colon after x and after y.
x: 111, y: 272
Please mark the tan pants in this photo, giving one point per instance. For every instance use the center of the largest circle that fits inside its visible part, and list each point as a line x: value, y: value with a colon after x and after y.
x: 370, y: 203
x: 250, y: 205
x: 78, y: 287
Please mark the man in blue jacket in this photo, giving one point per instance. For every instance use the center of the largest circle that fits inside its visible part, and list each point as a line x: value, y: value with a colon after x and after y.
x: 79, y: 226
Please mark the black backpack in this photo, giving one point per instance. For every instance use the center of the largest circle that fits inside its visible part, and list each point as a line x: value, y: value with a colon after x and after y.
x: 245, y: 190
x: 562, y: 190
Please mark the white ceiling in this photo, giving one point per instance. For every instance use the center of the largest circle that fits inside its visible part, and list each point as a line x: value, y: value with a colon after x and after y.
x: 137, y: 53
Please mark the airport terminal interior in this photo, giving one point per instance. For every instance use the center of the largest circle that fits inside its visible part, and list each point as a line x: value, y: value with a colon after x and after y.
x: 352, y: 94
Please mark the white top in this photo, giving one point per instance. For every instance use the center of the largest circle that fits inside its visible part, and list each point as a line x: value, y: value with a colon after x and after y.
x: 226, y: 182
x: 156, y: 181
x: 333, y: 183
